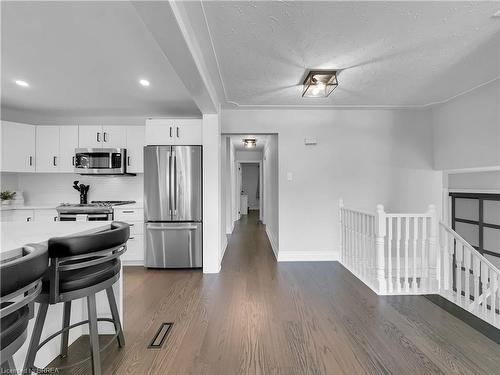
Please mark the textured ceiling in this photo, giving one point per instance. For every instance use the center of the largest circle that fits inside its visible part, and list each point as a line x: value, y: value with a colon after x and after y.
x: 85, y: 58
x: 389, y: 53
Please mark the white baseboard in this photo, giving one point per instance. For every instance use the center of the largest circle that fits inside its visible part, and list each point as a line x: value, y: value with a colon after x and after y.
x: 139, y: 262
x: 273, y: 242
x: 308, y: 256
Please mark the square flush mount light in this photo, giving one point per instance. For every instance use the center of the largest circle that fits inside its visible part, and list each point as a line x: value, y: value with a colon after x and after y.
x: 250, y: 142
x: 320, y: 83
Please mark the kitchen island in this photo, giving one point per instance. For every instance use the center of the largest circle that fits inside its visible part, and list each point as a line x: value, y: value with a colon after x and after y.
x: 14, y: 235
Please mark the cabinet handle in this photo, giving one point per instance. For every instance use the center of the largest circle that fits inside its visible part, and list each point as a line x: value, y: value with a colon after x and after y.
x: 177, y: 132
x: 128, y: 161
x: 128, y: 212
x: 98, y: 137
x: 73, y: 160
x: 28, y: 218
x: 55, y: 218
x: 31, y: 160
x: 54, y: 161
x: 131, y: 238
x: 105, y: 140
x: 170, y: 132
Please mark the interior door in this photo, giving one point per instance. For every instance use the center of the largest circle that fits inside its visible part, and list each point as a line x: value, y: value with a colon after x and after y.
x: 186, y: 184
x: 157, y: 183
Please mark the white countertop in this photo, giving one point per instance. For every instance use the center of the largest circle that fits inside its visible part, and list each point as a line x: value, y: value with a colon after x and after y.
x: 53, y: 206
x: 16, y: 234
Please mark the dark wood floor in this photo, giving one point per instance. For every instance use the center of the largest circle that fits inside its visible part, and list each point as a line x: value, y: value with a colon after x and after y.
x: 261, y: 317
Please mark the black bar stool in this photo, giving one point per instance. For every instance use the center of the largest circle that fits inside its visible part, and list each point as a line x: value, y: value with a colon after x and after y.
x: 80, y: 266
x: 21, y: 283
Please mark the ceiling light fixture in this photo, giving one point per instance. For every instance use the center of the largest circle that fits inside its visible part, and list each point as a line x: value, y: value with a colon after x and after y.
x: 496, y: 14
x: 144, y: 82
x: 22, y: 83
x: 320, y: 83
x: 250, y: 142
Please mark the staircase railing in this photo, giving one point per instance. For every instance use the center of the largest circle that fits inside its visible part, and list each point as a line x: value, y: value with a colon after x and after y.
x: 391, y: 253
x: 468, y: 278
x: 399, y: 254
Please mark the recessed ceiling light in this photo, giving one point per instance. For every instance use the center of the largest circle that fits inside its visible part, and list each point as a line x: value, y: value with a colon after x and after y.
x: 250, y: 142
x: 320, y: 83
x: 144, y: 82
x: 496, y: 14
x: 22, y: 83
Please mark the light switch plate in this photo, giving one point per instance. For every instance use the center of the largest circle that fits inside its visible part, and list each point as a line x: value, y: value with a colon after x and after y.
x: 309, y: 141
x: 289, y: 176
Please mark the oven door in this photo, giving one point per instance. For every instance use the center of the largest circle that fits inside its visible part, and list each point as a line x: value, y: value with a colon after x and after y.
x: 100, y: 160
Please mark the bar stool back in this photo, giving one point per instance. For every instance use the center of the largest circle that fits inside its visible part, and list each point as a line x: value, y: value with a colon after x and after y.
x: 21, y: 283
x: 81, y: 266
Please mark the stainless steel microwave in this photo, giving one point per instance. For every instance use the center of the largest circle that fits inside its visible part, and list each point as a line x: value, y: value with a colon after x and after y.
x: 101, y: 161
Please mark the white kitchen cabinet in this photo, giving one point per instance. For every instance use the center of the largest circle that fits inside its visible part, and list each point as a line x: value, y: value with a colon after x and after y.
x: 114, y: 136
x: 89, y: 136
x: 55, y: 148
x: 47, y: 148
x: 96, y: 136
x: 45, y: 215
x: 135, y: 149
x: 18, y: 147
x: 173, y: 132
x: 135, y: 251
x: 22, y: 215
x: 135, y: 245
x: 68, y: 141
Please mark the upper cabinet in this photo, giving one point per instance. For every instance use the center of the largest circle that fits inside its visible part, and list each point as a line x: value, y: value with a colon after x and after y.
x: 18, y: 147
x: 92, y: 136
x: 55, y: 148
x: 135, y: 149
x: 173, y: 132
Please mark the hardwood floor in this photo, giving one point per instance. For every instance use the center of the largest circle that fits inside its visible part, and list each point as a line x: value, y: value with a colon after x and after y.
x: 261, y: 317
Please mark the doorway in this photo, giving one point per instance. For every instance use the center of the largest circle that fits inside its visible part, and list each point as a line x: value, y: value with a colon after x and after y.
x: 250, y: 187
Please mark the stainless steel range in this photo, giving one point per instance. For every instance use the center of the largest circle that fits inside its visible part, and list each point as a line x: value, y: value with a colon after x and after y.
x: 95, y: 211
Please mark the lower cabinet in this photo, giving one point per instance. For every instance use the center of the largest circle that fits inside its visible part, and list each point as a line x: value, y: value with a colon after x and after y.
x: 134, y: 256
x: 22, y: 215
x: 48, y: 215
x: 17, y: 215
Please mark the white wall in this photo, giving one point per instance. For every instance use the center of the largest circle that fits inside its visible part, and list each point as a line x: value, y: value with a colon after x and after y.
x: 477, y: 181
x: 271, y: 191
x: 56, y: 188
x: 250, y: 183
x: 365, y: 156
x: 248, y: 155
x: 467, y: 129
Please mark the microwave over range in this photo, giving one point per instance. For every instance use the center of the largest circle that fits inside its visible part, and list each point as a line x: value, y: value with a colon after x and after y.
x: 101, y: 161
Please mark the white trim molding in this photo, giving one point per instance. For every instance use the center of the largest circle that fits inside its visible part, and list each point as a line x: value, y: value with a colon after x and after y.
x: 308, y: 256
x: 273, y: 242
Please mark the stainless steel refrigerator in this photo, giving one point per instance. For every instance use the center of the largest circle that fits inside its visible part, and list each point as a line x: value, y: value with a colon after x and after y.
x: 173, y: 206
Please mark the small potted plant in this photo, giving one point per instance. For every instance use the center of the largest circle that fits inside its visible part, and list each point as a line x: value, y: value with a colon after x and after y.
x: 7, y: 196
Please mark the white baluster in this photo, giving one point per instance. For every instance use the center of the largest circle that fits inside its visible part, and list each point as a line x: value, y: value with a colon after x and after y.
x: 380, y: 230
x: 433, y: 253
x: 494, y: 288
x: 424, y: 284
x: 341, y: 231
x: 407, y: 235
x: 398, y: 253
x: 467, y: 256
x: 485, y: 285
x: 458, y: 272
x: 476, y: 276
x: 415, y: 242
x: 389, y: 254
x: 363, y: 246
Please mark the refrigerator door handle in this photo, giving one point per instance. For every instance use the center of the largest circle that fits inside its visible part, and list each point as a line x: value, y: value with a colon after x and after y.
x: 170, y: 182
x: 190, y: 227
x: 175, y: 184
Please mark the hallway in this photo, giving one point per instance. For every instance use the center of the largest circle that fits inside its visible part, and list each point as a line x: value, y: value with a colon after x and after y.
x: 261, y: 317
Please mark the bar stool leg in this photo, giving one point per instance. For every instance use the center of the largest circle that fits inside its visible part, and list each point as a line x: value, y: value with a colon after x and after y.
x: 116, y: 317
x: 94, y: 335
x: 35, y: 338
x: 65, y: 335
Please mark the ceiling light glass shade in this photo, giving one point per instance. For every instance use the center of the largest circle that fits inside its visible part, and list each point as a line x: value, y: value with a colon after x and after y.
x: 320, y: 83
x: 250, y: 142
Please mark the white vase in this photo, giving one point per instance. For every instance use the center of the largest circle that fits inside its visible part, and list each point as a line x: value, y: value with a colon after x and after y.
x: 6, y: 202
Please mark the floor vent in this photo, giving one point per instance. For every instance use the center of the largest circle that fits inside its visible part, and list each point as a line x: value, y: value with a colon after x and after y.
x: 160, y: 336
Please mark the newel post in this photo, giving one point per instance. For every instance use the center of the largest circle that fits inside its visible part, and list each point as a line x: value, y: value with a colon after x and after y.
x: 433, y: 253
x: 380, y: 231
x: 341, y: 232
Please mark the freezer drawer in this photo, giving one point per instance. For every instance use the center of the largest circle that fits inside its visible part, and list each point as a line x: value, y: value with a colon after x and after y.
x: 173, y: 245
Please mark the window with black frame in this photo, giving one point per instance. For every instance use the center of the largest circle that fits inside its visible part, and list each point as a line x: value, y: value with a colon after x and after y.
x: 476, y: 217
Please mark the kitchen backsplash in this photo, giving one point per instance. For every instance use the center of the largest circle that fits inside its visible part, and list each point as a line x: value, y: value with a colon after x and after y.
x: 55, y: 188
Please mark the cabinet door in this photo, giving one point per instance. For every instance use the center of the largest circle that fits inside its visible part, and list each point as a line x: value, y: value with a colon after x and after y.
x: 90, y: 136
x: 160, y: 132
x: 114, y: 136
x: 45, y: 216
x: 187, y: 132
x: 135, y: 149
x: 68, y: 141
x: 47, y: 148
x: 18, y: 147
x: 22, y: 215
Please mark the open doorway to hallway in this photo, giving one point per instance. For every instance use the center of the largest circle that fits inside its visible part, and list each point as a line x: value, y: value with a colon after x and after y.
x: 250, y: 182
